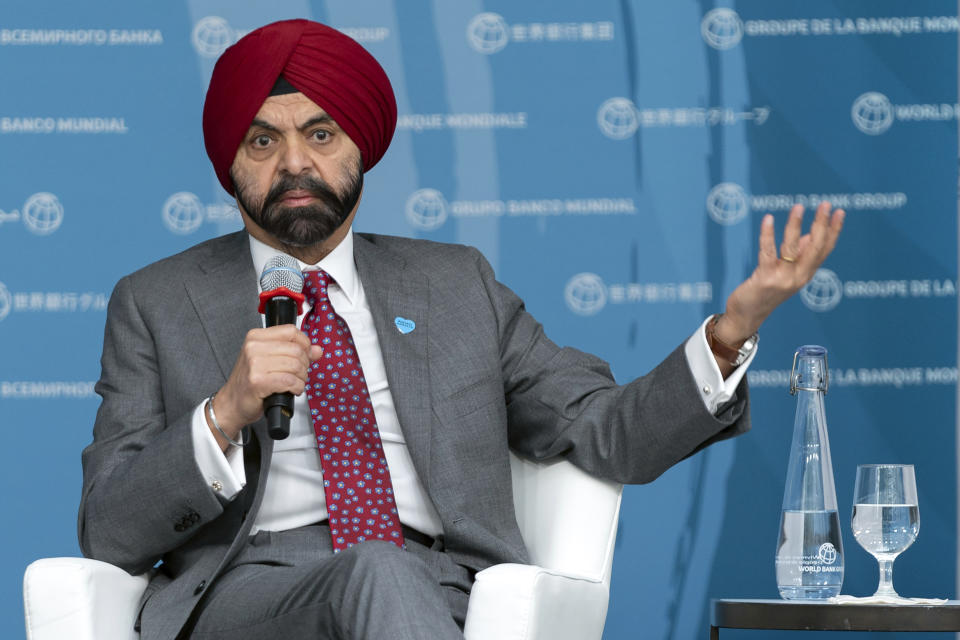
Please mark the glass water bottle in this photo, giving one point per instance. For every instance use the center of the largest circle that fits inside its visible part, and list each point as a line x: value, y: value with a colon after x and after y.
x: 809, y: 557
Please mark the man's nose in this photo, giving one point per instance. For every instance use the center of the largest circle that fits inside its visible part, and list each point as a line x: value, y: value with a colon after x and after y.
x: 295, y: 158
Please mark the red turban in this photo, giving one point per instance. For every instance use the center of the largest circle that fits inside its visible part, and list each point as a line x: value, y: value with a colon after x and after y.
x: 325, y: 65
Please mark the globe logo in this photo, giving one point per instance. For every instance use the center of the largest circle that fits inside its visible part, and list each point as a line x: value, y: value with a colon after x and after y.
x: 426, y: 209
x: 823, y: 292
x: 872, y: 113
x: 42, y: 213
x: 183, y: 213
x: 6, y: 301
x: 827, y: 553
x: 721, y: 28
x: 727, y: 203
x: 617, y: 118
x: 585, y: 294
x: 487, y: 33
x: 211, y: 36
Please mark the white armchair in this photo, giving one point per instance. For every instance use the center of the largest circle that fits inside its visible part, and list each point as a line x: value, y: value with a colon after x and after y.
x: 568, y: 520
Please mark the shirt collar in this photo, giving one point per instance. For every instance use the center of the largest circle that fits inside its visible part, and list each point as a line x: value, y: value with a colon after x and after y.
x: 338, y: 263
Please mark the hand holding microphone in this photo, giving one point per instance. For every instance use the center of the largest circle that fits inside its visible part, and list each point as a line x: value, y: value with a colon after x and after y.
x: 280, y: 302
x: 273, y: 362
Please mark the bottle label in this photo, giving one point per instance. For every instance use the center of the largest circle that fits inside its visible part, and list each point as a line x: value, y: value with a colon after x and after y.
x: 823, y: 562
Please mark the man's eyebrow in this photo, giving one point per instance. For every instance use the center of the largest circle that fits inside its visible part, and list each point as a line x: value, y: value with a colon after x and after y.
x: 320, y: 119
x: 263, y: 124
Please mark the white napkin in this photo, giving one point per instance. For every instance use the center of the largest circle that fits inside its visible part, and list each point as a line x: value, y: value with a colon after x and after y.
x: 884, y: 600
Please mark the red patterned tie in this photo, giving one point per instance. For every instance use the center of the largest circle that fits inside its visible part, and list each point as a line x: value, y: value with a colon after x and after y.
x: 356, y: 480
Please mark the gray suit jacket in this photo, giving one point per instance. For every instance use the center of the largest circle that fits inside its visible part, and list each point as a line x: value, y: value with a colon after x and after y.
x: 476, y: 377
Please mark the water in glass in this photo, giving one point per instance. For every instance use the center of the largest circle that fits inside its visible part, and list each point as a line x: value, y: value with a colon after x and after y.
x: 885, y: 529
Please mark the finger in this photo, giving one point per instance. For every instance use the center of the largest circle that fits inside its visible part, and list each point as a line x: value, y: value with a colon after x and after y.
x: 278, y: 364
x: 768, y: 244
x: 279, y: 382
x: 811, y: 244
x: 288, y: 332
x: 269, y: 363
x: 790, y: 247
x: 281, y: 333
x: 836, y: 226
x: 278, y: 336
x: 275, y: 348
x: 301, y: 338
x: 818, y: 234
x: 316, y: 351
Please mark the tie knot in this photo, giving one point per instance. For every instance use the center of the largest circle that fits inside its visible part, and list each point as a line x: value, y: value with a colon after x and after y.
x: 315, y: 286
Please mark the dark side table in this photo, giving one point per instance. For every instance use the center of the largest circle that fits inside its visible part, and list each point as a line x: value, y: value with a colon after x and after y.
x: 816, y: 616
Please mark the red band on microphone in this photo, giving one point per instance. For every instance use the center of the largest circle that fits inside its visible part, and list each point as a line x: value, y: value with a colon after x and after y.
x: 281, y: 291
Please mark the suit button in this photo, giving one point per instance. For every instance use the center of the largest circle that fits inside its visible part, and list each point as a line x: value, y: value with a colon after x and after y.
x: 178, y: 527
x: 200, y: 587
x: 194, y: 516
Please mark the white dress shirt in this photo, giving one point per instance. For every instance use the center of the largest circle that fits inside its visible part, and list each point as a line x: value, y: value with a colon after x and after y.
x: 294, y: 494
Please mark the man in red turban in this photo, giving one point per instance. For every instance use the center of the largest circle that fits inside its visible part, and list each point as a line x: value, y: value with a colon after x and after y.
x: 414, y: 374
x: 295, y: 114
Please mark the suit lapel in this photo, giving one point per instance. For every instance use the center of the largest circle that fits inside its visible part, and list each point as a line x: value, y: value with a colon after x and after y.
x: 223, y: 292
x: 398, y: 293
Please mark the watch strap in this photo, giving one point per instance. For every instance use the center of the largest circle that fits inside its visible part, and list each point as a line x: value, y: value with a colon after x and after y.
x: 735, y: 356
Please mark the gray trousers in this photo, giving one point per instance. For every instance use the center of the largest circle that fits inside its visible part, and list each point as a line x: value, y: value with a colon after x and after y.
x: 290, y: 584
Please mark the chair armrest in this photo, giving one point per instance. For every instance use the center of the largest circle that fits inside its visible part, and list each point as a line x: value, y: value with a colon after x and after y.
x: 523, y: 602
x: 80, y: 599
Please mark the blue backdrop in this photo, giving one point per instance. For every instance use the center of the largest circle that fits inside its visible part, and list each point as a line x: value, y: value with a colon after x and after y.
x: 612, y: 159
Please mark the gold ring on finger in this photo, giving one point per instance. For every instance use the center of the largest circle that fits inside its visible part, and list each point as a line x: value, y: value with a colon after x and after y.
x: 788, y: 259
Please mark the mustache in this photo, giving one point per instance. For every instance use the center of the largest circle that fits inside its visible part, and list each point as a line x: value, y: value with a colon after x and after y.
x: 316, y: 187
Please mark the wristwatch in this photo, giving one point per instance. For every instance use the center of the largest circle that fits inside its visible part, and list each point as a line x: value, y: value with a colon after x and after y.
x: 731, y: 354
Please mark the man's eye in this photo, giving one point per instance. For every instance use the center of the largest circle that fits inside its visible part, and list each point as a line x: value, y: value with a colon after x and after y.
x: 261, y: 141
x: 321, y: 136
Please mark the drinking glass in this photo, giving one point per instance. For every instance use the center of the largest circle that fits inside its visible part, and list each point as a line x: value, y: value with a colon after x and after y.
x: 886, y: 517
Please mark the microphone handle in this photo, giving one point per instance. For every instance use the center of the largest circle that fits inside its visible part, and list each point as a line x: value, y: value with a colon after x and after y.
x: 278, y: 407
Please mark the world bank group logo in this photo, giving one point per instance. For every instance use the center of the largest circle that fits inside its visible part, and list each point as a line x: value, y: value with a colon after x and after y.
x: 721, y: 28
x: 488, y: 33
x: 6, y: 301
x: 426, y: 209
x: 823, y: 292
x: 585, y: 294
x: 872, y: 113
x: 183, y: 213
x: 727, y: 203
x: 827, y: 553
x: 211, y: 36
x: 617, y: 118
x: 42, y: 214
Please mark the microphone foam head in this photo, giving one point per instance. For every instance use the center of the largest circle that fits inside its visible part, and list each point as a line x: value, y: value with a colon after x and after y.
x: 281, y: 271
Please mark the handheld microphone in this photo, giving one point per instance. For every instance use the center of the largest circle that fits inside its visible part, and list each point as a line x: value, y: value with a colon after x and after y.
x: 281, y: 302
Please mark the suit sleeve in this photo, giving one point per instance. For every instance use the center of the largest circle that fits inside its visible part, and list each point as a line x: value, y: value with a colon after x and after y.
x: 561, y: 401
x: 143, y: 493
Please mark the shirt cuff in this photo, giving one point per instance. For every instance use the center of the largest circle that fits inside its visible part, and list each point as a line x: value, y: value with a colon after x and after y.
x: 223, y: 471
x: 714, y: 390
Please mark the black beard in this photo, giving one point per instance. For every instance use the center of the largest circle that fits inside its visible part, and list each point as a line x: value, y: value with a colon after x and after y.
x: 304, y: 226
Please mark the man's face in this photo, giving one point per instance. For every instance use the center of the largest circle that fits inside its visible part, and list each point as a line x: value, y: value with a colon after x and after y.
x: 297, y: 175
